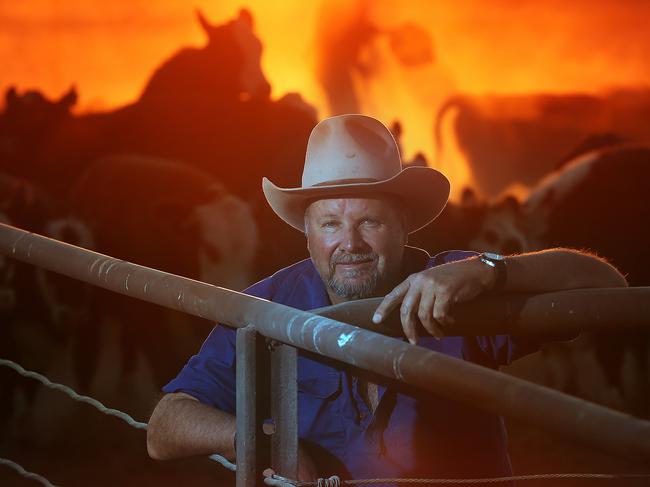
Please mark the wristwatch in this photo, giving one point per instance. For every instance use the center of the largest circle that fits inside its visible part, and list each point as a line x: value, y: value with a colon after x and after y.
x: 498, y: 263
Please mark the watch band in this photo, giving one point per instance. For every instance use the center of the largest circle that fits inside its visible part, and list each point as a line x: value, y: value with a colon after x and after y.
x: 498, y: 263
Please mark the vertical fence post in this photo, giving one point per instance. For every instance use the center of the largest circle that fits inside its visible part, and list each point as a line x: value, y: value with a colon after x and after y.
x: 251, y: 407
x: 284, y: 411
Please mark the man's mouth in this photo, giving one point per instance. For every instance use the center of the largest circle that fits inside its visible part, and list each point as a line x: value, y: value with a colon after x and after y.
x: 351, y: 265
x: 351, y: 268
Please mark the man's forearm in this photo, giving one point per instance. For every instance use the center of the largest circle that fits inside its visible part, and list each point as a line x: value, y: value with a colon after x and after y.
x: 559, y: 269
x: 181, y: 426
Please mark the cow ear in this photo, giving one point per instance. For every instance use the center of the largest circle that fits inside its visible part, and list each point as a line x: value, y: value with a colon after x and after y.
x: 11, y: 96
x: 203, y: 22
x: 246, y: 16
x: 510, y: 203
x: 69, y: 99
x: 469, y: 198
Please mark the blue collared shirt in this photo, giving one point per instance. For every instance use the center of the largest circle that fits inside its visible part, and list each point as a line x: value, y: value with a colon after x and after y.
x: 410, y: 434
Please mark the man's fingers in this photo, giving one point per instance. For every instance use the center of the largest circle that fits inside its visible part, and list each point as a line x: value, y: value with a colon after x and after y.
x: 390, y: 302
x: 408, y: 312
x: 269, y: 472
x: 442, y: 310
x: 425, y: 314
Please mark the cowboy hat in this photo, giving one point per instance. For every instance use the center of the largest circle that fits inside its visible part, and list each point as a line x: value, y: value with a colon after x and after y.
x: 354, y: 156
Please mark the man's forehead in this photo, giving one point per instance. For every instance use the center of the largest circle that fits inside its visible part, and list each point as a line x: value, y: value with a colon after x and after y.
x: 342, y: 205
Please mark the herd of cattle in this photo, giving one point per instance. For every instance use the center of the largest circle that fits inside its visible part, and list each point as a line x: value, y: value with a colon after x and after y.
x: 172, y: 181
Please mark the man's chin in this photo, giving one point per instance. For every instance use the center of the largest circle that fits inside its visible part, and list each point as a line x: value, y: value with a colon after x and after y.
x: 353, y: 288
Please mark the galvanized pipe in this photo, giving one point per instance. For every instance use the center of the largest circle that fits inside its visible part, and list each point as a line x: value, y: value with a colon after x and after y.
x: 608, y: 430
x: 249, y: 420
x: 284, y: 410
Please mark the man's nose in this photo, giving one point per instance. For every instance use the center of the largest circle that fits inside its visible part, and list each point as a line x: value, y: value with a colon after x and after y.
x: 353, y: 241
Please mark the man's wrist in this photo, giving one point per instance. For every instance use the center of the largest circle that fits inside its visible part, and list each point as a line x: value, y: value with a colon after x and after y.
x: 498, y: 264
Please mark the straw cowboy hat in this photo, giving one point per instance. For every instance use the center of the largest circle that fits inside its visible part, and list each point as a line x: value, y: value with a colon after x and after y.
x: 355, y: 156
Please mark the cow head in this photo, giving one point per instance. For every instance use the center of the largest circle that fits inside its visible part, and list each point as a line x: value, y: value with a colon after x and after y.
x: 502, y: 229
x: 552, y: 189
x: 228, y: 241
x: 67, y: 300
x: 239, y: 32
x: 31, y: 115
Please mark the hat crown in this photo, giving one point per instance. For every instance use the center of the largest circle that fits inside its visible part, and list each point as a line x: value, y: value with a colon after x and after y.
x: 350, y: 147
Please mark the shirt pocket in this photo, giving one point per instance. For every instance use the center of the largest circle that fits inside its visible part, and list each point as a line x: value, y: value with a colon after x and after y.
x: 319, y: 408
x: 321, y: 387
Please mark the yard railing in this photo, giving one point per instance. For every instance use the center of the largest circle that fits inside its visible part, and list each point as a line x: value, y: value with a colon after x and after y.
x: 270, y: 333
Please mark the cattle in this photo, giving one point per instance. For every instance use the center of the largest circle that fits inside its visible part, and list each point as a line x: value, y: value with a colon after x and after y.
x: 168, y: 216
x: 595, y: 202
x: 196, y: 73
x: 28, y: 120
x: 37, y: 316
x: 208, y: 106
x: 519, y: 138
x: 474, y: 224
x: 25, y: 292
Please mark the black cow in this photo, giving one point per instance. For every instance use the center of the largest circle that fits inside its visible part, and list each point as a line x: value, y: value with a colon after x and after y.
x: 599, y: 202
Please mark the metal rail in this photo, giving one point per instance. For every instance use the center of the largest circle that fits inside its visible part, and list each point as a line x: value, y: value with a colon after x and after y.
x: 614, y: 432
x: 553, y: 313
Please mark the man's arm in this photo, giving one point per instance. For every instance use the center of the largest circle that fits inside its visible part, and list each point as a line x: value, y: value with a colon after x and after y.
x: 181, y: 426
x: 430, y: 294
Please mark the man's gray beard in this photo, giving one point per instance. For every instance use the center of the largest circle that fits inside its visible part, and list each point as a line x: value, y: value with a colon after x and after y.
x: 352, y: 290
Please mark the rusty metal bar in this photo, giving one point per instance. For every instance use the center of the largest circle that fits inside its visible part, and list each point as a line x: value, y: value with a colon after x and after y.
x: 251, y: 407
x: 284, y: 410
x: 566, y: 416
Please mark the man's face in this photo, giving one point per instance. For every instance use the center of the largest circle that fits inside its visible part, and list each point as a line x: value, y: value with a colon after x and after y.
x: 356, y: 244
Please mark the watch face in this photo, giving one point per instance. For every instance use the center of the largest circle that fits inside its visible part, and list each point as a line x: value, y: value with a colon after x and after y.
x: 493, y: 256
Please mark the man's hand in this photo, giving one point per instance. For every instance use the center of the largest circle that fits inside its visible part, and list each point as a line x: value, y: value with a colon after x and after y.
x: 307, y: 471
x: 430, y: 294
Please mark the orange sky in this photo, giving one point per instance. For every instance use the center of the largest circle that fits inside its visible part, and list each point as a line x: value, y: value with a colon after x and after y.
x: 108, y: 49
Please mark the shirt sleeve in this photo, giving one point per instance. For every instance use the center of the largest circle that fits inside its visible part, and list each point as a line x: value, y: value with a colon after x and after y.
x: 210, y: 375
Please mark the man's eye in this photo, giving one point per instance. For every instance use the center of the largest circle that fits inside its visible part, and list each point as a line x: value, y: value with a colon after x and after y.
x: 329, y: 224
x: 369, y: 222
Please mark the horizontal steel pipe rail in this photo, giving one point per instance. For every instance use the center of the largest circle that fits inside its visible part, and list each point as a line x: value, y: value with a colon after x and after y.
x: 562, y: 312
x: 610, y: 431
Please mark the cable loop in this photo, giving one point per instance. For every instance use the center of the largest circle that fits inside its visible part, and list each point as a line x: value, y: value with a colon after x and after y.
x: 333, y: 481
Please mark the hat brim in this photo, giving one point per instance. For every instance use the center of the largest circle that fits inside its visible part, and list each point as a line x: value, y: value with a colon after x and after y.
x: 423, y: 189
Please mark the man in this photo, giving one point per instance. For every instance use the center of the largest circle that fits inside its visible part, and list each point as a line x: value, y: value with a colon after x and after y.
x: 356, y: 207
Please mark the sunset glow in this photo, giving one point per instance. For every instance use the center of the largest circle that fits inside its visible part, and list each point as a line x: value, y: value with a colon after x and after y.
x: 109, y: 49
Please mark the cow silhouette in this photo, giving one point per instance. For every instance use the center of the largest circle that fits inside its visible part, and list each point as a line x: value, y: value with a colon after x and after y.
x: 520, y: 138
x: 209, y: 107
